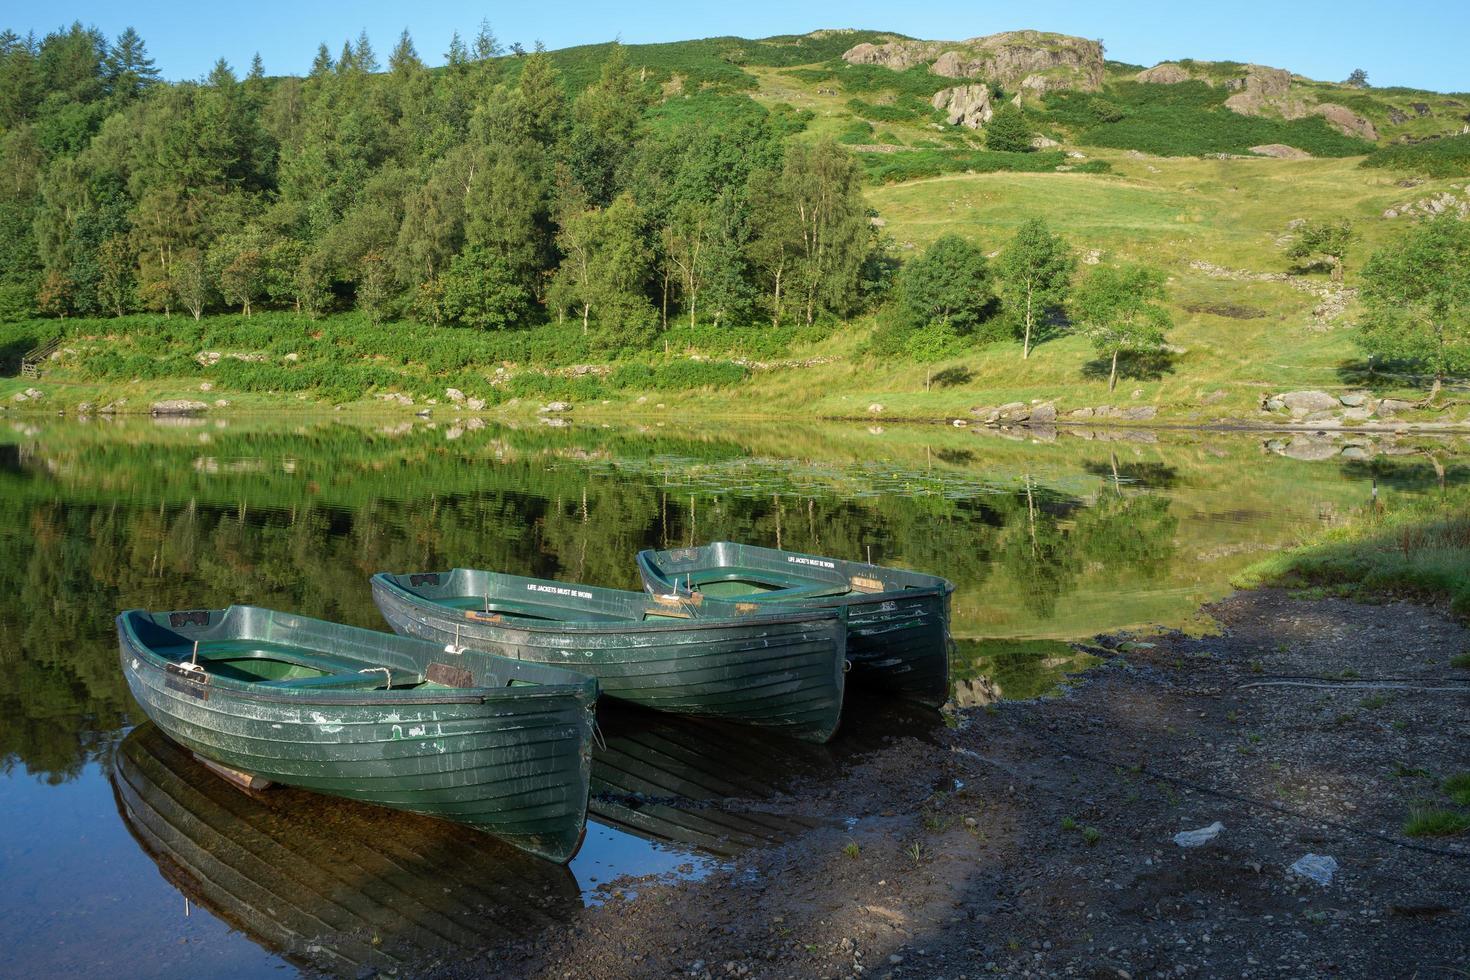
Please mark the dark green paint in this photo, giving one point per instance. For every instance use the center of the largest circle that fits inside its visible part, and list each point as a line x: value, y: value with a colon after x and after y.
x: 898, y: 620
x: 351, y: 712
x: 781, y: 669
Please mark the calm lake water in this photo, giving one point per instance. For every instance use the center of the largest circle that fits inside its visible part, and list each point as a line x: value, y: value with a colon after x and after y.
x: 120, y: 855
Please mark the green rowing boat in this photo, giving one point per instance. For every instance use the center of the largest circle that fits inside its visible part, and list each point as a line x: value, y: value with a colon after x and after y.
x: 782, y: 669
x: 898, y: 621
x: 502, y: 746
x: 333, y: 886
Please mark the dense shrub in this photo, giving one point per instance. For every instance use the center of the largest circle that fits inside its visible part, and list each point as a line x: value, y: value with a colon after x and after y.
x: 1187, y: 119
x: 889, y: 168
x: 1445, y: 157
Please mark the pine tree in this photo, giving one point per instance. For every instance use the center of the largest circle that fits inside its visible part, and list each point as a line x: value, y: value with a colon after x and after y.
x: 457, y: 54
x: 221, y: 76
x: 363, y: 56
x: 486, y: 45
x: 128, y: 68
x: 322, y: 63
x: 404, y: 57
x: 257, y: 69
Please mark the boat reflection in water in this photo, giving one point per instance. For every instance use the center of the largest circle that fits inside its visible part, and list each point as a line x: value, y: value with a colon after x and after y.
x: 326, y: 883
x: 336, y: 886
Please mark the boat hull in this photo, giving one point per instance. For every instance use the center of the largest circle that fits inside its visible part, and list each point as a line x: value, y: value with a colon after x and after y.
x: 780, y: 672
x: 898, y: 621
x: 513, y: 766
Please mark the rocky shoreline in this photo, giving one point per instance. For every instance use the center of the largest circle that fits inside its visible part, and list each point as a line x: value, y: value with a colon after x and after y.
x: 1038, y: 838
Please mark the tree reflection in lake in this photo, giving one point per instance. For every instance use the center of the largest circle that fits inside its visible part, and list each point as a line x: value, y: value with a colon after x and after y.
x: 1047, y: 543
x: 1037, y: 539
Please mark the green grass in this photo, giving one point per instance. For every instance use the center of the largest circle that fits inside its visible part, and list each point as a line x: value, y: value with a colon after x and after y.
x: 1457, y: 788
x: 1419, y: 549
x: 1436, y: 822
x: 1462, y: 661
x: 1446, y: 157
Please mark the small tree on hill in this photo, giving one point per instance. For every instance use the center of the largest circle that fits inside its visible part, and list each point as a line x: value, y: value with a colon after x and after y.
x: 1416, y: 294
x: 1323, y: 239
x: 1119, y: 309
x: 1035, y: 275
x: 949, y: 283
x: 1358, y: 79
x: 1007, y: 131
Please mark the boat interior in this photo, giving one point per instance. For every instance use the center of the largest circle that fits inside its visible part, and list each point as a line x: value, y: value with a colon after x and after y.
x: 513, y: 599
x: 270, y: 651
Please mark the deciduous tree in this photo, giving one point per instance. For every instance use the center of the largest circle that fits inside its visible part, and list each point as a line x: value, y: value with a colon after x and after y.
x: 1416, y: 297
x: 1035, y: 275
x: 1119, y: 309
x: 1328, y: 240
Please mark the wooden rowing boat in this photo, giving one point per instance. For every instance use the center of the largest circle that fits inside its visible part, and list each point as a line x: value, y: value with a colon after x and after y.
x: 898, y: 620
x: 780, y: 669
x: 500, y: 745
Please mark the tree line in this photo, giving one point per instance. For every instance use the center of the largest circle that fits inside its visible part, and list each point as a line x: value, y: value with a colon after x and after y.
x: 482, y: 193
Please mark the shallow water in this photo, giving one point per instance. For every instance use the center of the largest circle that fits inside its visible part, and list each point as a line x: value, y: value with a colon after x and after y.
x: 120, y: 854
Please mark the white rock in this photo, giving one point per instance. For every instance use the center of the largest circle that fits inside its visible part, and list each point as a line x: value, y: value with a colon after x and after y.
x: 1195, y: 838
x: 1317, y: 867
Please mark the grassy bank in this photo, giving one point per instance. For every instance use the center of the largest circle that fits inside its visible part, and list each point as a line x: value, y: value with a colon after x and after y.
x: 1417, y: 549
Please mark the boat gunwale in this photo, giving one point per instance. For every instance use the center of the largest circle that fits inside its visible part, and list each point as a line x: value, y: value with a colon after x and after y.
x: 651, y: 570
x: 703, y: 616
x: 587, y: 689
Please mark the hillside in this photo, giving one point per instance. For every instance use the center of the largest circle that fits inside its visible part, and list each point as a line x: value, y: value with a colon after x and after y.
x: 338, y: 237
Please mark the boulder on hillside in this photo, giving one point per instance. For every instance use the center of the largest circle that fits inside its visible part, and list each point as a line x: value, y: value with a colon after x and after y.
x: 965, y: 105
x: 1165, y: 73
x: 1393, y: 406
x: 1304, y: 403
x: 1280, y: 151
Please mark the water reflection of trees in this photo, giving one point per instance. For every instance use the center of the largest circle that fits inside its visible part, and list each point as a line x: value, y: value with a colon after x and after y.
x: 300, y: 521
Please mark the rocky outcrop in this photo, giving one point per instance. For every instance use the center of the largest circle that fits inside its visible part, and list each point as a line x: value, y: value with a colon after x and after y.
x: 965, y: 105
x: 1445, y: 202
x: 1166, y: 73
x: 1281, y: 151
x: 1348, y: 122
x: 897, y: 55
x: 1046, y: 413
x: 1035, y: 61
x: 1266, y: 91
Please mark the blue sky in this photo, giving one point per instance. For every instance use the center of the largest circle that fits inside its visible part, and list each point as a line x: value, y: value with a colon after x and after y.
x: 1418, y: 44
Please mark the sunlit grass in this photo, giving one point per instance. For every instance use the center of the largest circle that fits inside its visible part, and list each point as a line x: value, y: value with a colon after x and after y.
x: 1436, y: 822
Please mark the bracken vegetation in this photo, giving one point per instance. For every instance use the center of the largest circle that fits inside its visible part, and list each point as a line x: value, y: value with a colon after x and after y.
x: 1439, y: 158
